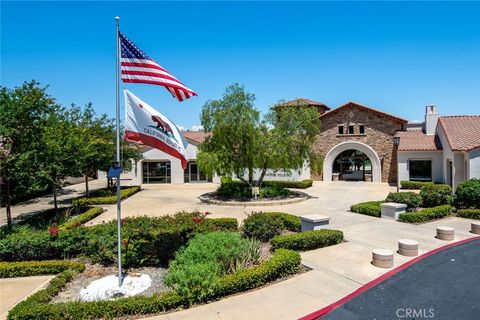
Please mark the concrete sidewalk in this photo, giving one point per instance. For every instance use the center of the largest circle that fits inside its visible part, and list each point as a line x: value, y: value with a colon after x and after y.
x: 46, y: 202
x: 14, y: 290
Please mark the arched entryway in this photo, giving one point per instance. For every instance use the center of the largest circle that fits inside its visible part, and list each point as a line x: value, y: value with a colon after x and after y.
x: 352, y: 161
x: 352, y: 165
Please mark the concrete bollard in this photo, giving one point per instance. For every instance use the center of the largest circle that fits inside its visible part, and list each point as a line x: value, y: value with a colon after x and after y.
x: 445, y: 233
x: 382, y: 258
x: 407, y: 247
x: 475, y: 227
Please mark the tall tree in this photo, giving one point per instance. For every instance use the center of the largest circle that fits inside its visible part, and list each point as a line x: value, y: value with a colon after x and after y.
x: 24, y: 113
x: 241, y: 142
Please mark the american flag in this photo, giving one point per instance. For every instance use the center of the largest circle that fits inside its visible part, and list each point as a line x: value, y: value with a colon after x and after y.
x: 138, y: 67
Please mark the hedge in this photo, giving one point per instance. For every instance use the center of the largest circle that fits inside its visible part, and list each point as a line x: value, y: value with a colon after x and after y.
x: 81, y: 219
x: 411, y: 199
x: 283, y: 263
x: 426, y: 214
x: 435, y: 195
x: 304, y: 184
x: 308, y: 240
x: 469, y: 213
x: 414, y: 184
x: 145, y: 240
x: 265, y: 225
x: 36, y: 268
x: 111, y: 199
x: 370, y: 208
x: 467, y: 195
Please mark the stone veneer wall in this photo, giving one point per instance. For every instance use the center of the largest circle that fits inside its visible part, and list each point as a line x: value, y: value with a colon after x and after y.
x: 379, y: 132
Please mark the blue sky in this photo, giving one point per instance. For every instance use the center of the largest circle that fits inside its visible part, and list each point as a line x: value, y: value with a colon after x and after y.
x: 396, y: 57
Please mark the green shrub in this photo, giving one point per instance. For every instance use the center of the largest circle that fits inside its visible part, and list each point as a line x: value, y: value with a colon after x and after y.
x: 411, y: 199
x: 307, y: 240
x: 262, y: 226
x: 105, y: 196
x: 196, y: 269
x: 274, y: 191
x: 145, y: 240
x: 36, y: 268
x: 426, y: 214
x: 370, y: 208
x: 304, y: 184
x: 434, y: 195
x: 28, y: 245
x: 283, y: 263
x: 81, y: 219
x: 414, y: 184
x: 467, y: 194
x: 234, y: 189
x: 290, y: 222
x: 469, y: 213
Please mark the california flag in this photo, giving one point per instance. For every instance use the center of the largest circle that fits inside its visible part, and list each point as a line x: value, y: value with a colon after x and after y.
x: 145, y: 125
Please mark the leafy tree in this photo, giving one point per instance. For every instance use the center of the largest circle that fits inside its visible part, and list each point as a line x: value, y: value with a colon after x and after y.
x: 241, y: 142
x: 24, y: 113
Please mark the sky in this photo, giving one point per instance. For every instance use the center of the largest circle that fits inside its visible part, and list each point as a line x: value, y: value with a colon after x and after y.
x: 395, y: 57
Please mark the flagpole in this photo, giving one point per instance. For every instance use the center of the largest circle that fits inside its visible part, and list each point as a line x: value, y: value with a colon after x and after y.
x: 119, y: 211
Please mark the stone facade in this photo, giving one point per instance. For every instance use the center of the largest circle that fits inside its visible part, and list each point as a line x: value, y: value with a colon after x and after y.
x: 379, y: 131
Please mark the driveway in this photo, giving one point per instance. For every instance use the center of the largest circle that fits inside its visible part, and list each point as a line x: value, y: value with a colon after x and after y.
x: 163, y: 199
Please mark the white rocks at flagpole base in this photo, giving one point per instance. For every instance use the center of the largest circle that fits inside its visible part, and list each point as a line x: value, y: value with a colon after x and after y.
x: 107, y: 288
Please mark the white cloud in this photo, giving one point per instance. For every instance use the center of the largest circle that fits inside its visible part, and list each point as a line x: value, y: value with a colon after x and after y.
x: 196, y: 127
x: 182, y: 128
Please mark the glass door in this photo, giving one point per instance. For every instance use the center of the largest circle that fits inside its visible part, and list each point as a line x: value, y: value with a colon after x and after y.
x: 193, y: 168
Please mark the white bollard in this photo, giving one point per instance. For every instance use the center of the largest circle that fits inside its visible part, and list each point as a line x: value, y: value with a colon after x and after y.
x: 445, y: 233
x: 407, y: 247
x: 475, y: 227
x: 382, y: 258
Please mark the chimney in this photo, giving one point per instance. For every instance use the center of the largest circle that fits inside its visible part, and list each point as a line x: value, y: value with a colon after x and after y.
x: 431, y: 119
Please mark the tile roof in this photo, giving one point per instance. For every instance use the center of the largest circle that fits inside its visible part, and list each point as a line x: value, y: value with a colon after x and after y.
x: 302, y: 102
x: 196, y: 136
x: 416, y: 140
x: 357, y: 105
x: 462, y: 132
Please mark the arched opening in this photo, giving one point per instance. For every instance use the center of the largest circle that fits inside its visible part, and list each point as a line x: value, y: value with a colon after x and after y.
x: 352, y: 165
x: 355, y: 150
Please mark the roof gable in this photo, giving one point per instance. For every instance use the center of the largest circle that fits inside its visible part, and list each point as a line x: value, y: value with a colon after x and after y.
x: 303, y: 102
x: 462, y: 132
x: 364, y: 108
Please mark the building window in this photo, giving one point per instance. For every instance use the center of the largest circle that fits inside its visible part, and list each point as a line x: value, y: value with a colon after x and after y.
x: 157, y: 172
x: 340, y: 129
x: 351, y: 129
x: 361, y: 129
x: 193, y: 173
x: 420, y: 170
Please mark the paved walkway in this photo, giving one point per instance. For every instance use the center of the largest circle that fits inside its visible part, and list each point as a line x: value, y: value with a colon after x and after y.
x: 14, y: 290
x: 46, y: 202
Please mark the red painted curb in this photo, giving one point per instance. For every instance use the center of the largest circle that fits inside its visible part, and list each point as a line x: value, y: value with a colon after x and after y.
x: 374, y: 282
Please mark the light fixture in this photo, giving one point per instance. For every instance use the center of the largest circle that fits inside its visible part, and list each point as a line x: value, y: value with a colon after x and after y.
x: 396, y: 140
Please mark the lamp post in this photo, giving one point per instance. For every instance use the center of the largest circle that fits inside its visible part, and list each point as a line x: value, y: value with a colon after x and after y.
x: 396, y: 142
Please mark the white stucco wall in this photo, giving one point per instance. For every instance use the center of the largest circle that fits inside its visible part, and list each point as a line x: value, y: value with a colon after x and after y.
x: 435, y: 156
x: 474, y: 164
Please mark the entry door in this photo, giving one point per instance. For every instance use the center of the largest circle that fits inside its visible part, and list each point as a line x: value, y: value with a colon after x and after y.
x: 193, y: 168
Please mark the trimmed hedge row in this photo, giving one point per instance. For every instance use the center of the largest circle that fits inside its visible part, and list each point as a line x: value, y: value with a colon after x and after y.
x: 283, y: 263
x: 426, y: 214
x: 77, y: 221
x: 111, y: 199
x: 36, y: 268
x: 308, y: 240
x: 414, y: 184
x: 369, y: 208
x: 303, y: 184
x: 469, y: 213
